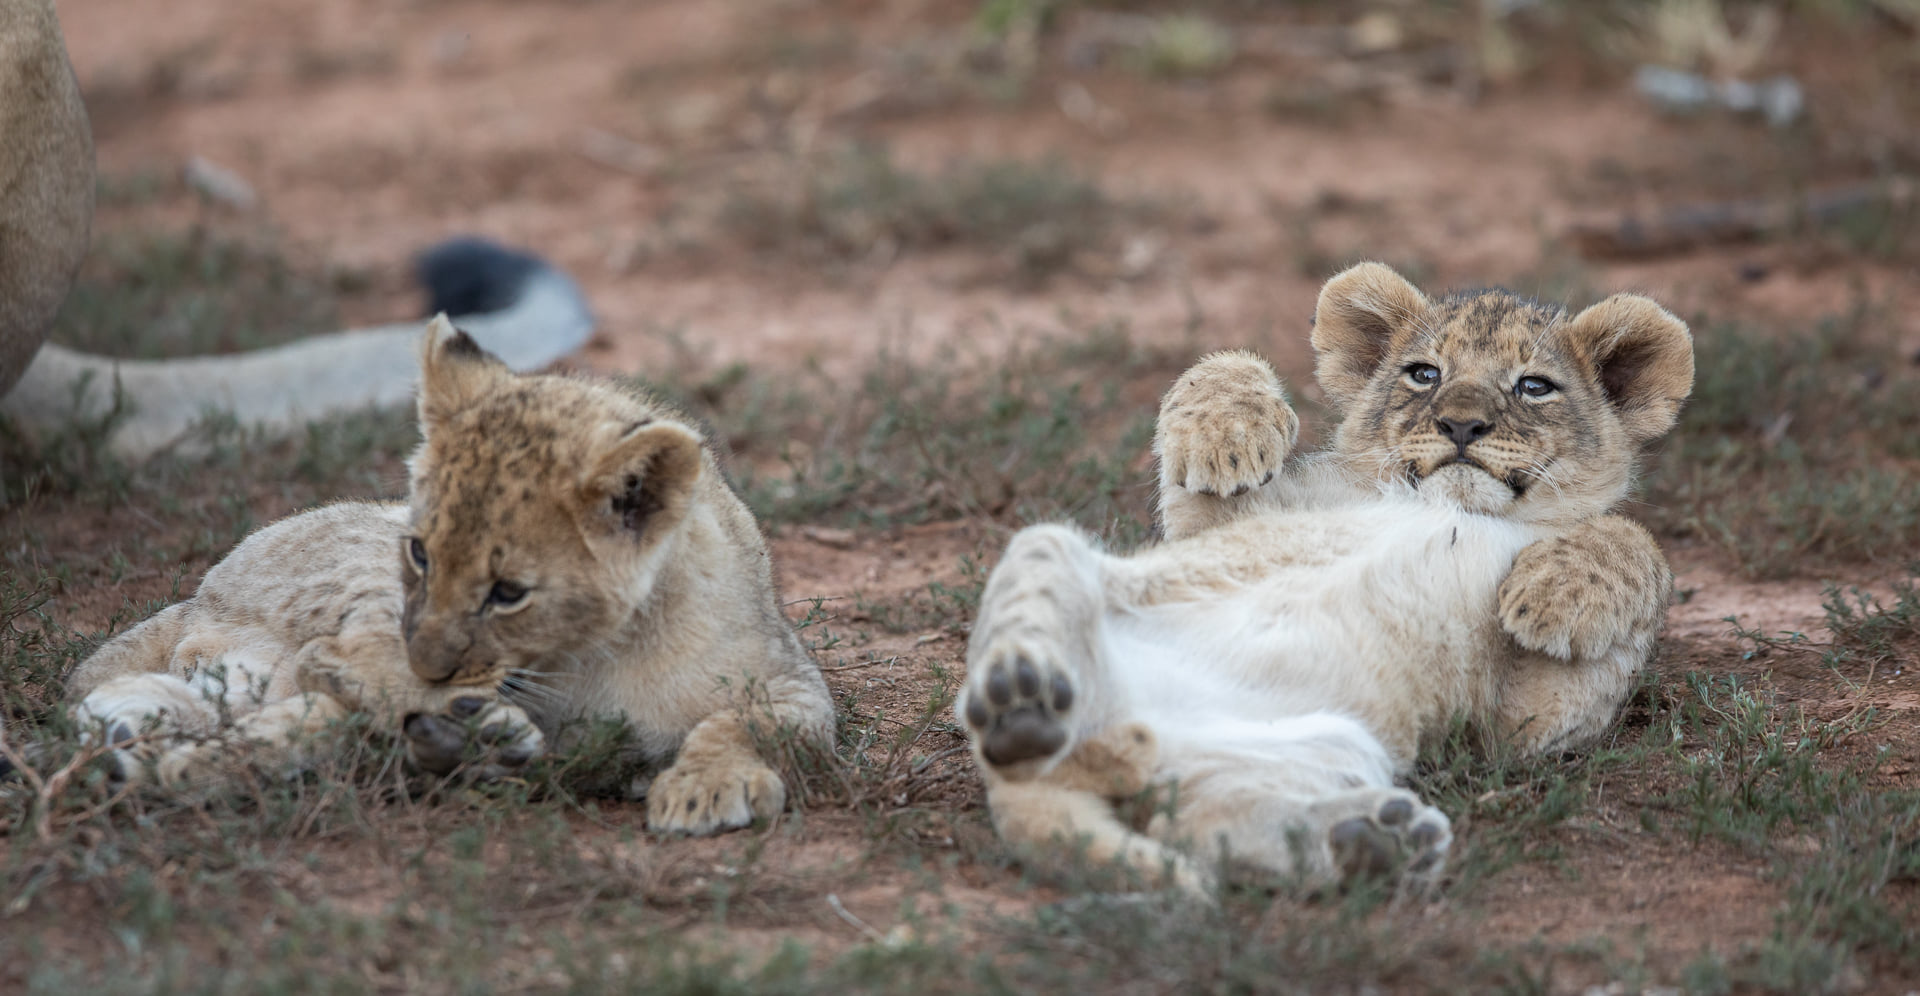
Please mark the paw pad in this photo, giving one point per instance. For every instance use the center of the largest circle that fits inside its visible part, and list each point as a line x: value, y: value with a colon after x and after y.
x: 1400, y: 835
x: 1017, y: 711
x: 494, y: 738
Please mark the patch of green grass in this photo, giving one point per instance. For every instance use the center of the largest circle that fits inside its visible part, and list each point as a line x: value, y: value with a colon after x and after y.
x: 1864, y: 627
x: 938, y: 606
x: 1749, y: 768
x: 856, y: 202
x: 1048, y: 433
x: 1796, y: 450
x: 158, y: 293
x: 73, y: 459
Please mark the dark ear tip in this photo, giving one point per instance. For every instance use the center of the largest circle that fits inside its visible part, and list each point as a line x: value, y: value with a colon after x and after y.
x: 462, y: 344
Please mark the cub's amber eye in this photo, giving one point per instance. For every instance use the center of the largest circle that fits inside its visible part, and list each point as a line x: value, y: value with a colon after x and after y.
x: 1534, y: 387
x: 417, y: 554
x: 506, y: 594
x: 1423, y: 375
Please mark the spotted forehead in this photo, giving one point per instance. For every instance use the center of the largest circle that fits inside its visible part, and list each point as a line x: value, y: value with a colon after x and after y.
x: 495, y: 463
x: 1494, y: 324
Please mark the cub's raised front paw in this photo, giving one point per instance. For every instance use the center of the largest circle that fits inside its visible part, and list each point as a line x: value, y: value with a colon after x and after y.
x: 1225, y: 427
x: 1391, y: 833
x: 493, y: 739
x: 709, y: 793
x: 1017, y: 705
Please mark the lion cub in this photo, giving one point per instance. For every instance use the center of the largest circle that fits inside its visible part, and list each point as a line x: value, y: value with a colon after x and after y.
x: 1306, y: 625
x: 568, y: 550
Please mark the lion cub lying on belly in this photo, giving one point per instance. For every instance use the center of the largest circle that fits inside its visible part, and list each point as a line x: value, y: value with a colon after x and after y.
x: 569, y: 549
x: 1279, y: 659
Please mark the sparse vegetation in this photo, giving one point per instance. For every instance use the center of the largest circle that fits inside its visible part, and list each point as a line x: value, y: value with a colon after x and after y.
x: 1048, y: 432
x: 163, y: 292
x: 1797, y: 448
x: 857, y: 203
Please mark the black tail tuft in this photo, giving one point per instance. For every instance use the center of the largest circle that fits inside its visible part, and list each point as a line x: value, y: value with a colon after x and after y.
x: 470, y: 276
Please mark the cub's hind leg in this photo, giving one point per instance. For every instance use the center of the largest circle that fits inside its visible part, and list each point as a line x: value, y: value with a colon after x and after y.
x: 1224, y: 430
x: 1036, y: 681
x: 1308, y: 798
x: 1051, y: 729
x: 1382, y: 832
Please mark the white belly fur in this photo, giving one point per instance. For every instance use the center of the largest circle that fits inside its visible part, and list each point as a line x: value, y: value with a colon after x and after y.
x: 1391, y: 621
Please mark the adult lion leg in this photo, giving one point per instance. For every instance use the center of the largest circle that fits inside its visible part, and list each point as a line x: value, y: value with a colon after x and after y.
x: 1224, y: 429
x: 1589, y: 605
x: 1037, y: 681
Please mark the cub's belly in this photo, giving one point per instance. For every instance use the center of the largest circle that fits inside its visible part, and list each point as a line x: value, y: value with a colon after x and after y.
x: 1384, y: 611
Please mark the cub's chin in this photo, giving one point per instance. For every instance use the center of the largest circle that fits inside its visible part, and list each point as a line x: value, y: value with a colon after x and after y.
x: 1466, y: 486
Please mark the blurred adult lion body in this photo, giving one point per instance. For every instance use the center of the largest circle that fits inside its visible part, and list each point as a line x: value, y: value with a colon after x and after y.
x: 46, y: 180
x: 521, y: 310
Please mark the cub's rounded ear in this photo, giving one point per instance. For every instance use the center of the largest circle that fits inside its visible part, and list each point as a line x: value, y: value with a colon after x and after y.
x: 454, y: 370
x: 643, y: 475
x: 1360, y: 313
x: 1643, y: 358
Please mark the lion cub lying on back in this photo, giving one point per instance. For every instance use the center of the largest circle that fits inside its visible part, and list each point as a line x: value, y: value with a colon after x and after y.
x: 569, y: 549
x: 1279, y: 659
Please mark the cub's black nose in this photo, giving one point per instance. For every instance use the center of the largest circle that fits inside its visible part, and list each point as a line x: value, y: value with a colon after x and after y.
x: 1464, y: 431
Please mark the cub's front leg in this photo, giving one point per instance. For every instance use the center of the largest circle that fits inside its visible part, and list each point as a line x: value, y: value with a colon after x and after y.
x: 1586, y: 608
x: 365, y: 669
x: 1600, y: 586
x: 1225, y: 428
x: 717, y: 782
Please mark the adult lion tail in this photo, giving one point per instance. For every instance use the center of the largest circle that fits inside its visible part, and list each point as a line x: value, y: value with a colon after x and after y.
x: 517, y: 306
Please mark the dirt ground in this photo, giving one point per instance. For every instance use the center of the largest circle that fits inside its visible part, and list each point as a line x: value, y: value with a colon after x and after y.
x: 621, y: 139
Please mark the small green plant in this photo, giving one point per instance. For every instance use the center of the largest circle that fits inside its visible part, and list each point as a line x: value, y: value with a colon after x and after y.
x: 1750, y: 768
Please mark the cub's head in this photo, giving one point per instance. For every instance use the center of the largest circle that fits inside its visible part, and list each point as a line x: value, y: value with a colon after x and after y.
x: 542, y: 509
x: 1495, y: 403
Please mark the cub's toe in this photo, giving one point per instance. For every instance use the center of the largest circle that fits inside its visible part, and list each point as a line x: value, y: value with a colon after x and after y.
x: 491, y: 737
